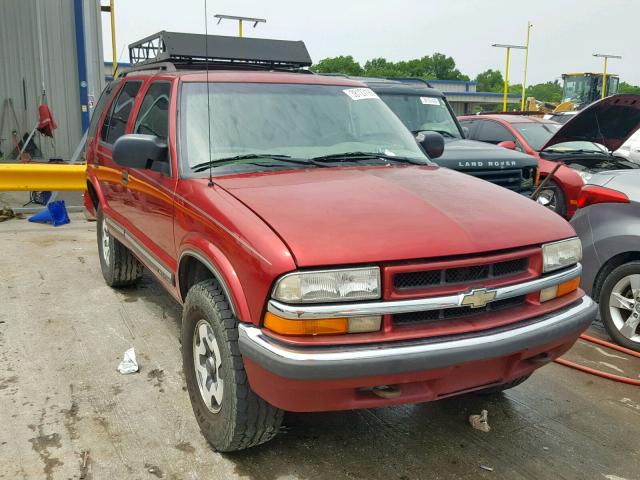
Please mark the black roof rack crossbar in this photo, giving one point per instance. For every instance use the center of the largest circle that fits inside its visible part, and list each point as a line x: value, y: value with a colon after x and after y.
x: 189, y: 49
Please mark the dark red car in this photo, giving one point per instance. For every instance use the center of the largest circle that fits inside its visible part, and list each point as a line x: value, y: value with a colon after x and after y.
x: 528, y: 135
x: 324, y: 263
x: 582, y: 150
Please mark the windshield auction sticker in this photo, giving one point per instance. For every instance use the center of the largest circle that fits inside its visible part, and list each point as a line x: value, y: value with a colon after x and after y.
x: 430, y: 101
x: 360, y: 93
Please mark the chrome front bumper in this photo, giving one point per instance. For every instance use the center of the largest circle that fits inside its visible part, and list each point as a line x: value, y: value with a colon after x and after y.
x: 326, y: 363
x: 336, y: 310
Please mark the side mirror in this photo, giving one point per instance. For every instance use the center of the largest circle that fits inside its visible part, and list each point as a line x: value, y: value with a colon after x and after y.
x: 508, y: 144
x: 431, y: 142
x: 465, y: 132
x: 142, y: 151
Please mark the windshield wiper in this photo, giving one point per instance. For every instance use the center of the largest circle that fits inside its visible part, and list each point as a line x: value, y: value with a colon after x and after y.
x: 579, y: 150
x: 361, y: 156
x: 444, y: 133
x: 250, y: 156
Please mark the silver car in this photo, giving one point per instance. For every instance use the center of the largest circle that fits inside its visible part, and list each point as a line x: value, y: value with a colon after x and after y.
x: 608, y: 223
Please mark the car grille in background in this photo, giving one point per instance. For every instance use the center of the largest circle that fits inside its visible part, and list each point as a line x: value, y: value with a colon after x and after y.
x: 433, y: 278
x: 511, y: 179
x: 455, y: 313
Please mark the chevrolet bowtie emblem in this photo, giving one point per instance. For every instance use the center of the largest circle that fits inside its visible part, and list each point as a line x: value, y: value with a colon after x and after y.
x: 478, y: 298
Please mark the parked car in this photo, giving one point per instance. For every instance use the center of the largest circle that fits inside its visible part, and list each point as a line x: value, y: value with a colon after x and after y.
x: 580, y: 145
x: 322, y: 260
x: 630, y: 150
x: 425, y: 109
x: 608, y: 223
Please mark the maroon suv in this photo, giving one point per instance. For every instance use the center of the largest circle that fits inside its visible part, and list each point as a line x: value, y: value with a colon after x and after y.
x: 323, y: 261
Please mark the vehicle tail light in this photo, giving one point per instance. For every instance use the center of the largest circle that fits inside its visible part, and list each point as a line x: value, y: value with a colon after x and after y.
x: 592, y: 194
x: 559, y: 290
x: 323, y: 326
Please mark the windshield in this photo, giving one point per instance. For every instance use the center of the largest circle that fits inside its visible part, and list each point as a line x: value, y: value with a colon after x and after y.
x: 302, y: 122
x: 420, y: 113
x: 538, y: 134
x: 580, y: 89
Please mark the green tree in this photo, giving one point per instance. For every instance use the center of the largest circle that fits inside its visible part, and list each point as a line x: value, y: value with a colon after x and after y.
x: 444, y: 68
x: 625, y: 87
x: 490, y: 81
x: 342, y: 64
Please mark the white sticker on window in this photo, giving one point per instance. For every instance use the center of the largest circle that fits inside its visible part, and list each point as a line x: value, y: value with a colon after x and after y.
x: 430, y: 101
x: 360, y: 93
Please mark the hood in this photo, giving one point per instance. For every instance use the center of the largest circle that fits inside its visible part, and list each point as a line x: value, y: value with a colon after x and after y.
x: 462, y: 154
x: 609, y: 122
x: 340, y: 216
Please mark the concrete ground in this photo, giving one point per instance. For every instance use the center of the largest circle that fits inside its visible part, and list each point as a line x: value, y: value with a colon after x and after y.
x: 65, y: 412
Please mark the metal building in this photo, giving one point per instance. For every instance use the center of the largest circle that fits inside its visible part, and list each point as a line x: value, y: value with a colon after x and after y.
x: 58, y: 42
x: 464, y: 98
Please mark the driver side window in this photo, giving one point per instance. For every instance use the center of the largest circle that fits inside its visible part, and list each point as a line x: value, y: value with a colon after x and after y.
x: 153, y: 116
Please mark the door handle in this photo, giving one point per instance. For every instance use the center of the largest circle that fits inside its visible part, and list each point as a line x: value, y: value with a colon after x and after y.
x: 125, y: 177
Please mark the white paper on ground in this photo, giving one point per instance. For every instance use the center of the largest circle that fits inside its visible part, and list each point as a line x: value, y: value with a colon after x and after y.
x: 129, y: 364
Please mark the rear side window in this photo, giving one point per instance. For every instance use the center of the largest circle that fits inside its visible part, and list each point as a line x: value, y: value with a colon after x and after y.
x: 115, y: 123
x: 97, y: 111
x: 153, y: 117
x: 493, y: 132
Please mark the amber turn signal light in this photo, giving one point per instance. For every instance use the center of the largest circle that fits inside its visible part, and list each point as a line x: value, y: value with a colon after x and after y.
x: 323, y: 326
x: 559, y: 290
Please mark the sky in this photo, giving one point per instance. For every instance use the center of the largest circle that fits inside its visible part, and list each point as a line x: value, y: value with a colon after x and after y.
x: 564, y: 37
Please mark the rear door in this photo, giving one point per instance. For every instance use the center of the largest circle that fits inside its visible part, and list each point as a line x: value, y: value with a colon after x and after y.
x: 112, y: 177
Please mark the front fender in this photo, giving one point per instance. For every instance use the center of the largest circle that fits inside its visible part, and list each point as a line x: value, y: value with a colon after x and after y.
x: 221, y: 268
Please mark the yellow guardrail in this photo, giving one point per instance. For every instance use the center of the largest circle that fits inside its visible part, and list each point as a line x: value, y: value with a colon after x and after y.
x: 42, y: 176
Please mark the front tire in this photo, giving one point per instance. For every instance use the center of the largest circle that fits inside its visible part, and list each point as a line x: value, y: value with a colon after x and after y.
x: 230, y: 415
x: 620, y: 305
x: 119, y: 267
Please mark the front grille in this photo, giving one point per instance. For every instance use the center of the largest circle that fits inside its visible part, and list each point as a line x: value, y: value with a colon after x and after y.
x: 432, y: 278
x: 511, y: 179
x: 455, y: 313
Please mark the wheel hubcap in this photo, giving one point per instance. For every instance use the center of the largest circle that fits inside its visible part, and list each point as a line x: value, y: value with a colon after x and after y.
x: 208, y: 363
x: 547, y: 198
x: 106, y: 247
x: 624, y: 306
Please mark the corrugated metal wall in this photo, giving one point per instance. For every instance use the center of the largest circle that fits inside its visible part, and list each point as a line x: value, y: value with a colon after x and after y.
x: 20, y: 65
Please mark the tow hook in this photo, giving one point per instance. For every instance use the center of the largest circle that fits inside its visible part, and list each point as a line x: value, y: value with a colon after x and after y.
x: 386, y: 391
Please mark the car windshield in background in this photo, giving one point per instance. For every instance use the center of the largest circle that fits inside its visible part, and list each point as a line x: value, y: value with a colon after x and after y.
x: 538, y: 134
x: 420, y: 113
x: 253, y: 124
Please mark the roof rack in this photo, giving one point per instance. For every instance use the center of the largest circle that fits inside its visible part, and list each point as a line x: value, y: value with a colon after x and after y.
x: 189, y: 50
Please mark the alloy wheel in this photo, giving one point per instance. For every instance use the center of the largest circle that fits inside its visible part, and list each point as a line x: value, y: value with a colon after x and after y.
x: 624, y: 306
x: 207, y: 362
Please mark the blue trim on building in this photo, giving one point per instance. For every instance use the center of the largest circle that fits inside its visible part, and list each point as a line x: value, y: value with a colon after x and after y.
x: 454, y: 82
x: 83, y: 84
x: 482, y: 94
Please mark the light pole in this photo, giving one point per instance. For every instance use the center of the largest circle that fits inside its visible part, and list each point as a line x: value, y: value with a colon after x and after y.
x: 255, y: 21
x: 526, y: 62
x: 604, y: 76
x: 506, y: 74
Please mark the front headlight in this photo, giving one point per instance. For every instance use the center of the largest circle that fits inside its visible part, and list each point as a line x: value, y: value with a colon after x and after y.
x: 561, y: 254
x: 329, y: 286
